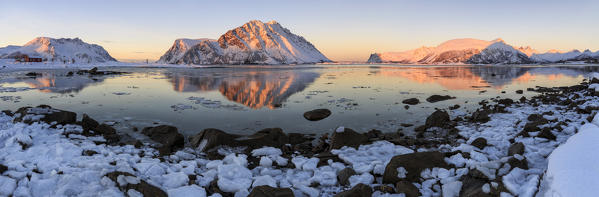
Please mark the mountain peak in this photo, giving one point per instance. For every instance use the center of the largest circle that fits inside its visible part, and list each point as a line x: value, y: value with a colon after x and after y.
x: 498, y: 40
x: 72, y: 50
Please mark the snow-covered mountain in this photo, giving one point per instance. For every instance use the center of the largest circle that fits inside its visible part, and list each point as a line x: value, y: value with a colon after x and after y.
x: 454, y: 51
x: 252, y: 43
x: 500, y: 53
x: 71, y: 50
x: 474, y: 51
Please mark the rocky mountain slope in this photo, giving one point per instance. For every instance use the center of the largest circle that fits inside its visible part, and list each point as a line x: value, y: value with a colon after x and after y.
x: 252, y: 43
x: 474, y: 51
x: 68, y: 50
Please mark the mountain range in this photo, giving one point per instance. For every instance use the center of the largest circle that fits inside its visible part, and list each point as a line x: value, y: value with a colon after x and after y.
x: 255, y: 42
x: 67, y: 50
x: 474, y: 51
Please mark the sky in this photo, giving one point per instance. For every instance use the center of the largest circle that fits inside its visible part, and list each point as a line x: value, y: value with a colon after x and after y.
x: 343, y: 30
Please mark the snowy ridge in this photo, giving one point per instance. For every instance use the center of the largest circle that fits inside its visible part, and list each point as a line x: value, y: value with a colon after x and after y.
x: 474, y: 51
x: 71, y: 50
x: 252, y: 43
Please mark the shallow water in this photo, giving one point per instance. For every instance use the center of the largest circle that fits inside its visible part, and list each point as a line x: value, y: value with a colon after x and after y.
x: 243, y: 99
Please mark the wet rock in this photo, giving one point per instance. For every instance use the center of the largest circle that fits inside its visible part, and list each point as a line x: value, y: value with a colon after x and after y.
x: 3, y: 169
x: 407, y: 188
x: 517, y: 163
x: 546, y: 133
x: 142, y: 186
x: 411, y: 101
x: 406, y: 107
x: 317, y: 114
x: 70, y: 74
x: 437, y: 119
x: 268, y: 191
x: 168, y: 136
x: 33, y: 74
x: 46, y: 114
x: 347, y: 138
x: 360, y: 190
x: 211, y: 138
x: 517, y: 148
x: 479, y: 143
x: 374, y: 135
x: 437, y: 98
x: 519, y: 92
x: 454, y: 107
x: 406, y: 125
x: 88, y: 123
x: 506, y: 101
x: 472, y: 184
x: 343, y: 175
x: 384, y: 189
x: 324, y: 157
x: 7, y: 112
x: 481, y: 116
x: 298, y: 138
x: 413, y: 163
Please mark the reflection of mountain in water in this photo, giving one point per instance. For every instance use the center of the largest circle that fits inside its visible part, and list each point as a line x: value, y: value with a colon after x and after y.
x: 255, y: 89
x: 471, y: 77
x: 56, y: 83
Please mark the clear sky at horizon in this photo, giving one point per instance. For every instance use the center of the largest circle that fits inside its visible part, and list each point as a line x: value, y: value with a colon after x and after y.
x: 342, y: 30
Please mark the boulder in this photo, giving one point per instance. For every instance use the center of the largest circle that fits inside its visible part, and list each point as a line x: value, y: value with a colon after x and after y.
x: 437, y: 119
x: 506, y: 101
x: 407, y: 188
x: 411, y: 101
x: 273, y: 137
x: 46, y: 114
x: 348, y: 137
x: 546, y: 133
x: 517, y: 148
x: 88, y: 123
x: 413, y: 163
x: 211, y: 138
x: 268, y: 191
x: 317, y: 114
x: 437, y: 98
x: 479, y: 143
x: 517, y: 163
x: 481, y: 116
x: 519, y: 92
x: 142, y: 187
x: 343, y: 175
x: 168, y: 136
x: 472, y: 184
x: 360, y: 190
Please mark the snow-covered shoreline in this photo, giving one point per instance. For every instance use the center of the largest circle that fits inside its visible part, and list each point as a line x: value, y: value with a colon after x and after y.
x: 501, y: 149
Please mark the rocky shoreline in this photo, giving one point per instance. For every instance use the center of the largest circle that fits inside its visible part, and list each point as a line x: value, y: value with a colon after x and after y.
x: 500, y: 149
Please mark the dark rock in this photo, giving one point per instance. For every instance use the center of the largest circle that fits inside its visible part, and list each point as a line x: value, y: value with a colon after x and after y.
x: 61, y: 117
x: 89, y: 152
x: 411, y: 101
x: 516, y: 163
x: 519, y: 92
x: 546, y: 133
x: 437, y: 98
x: 33, y: 74
x: 374, y: 134
x: 454, y: 107
x: 384, y: 189
x: 481, y: 116
x: 537, y: 118
x: 406, y: 107
x: 347, y: 138
x: 142, y: 187
x: 472, y: 184
x: 168, y: 136
x: 268, y: 191
x: 479, y: 143
x: 343, y: 175
x: 297, y: 138
x: 317, y: 114
x: 437, y: 119
x: 324, y: 157
x: 517, y: 148
x: 506, y: 101
x: 211, y: 138
x: 88, y: 123
x: 7, y: 112
x: 406, y: 125
x: 3, y: 169
x: 70, y: 74
x: 407, y: 188
x: 360, y: 190
x: 414, y: 163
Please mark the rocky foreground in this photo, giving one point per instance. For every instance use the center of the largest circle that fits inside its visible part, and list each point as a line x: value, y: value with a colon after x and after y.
x: 502, y: 149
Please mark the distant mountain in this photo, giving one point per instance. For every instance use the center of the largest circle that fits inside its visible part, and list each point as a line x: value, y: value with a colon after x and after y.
x: 474, y: 51
x: 252, y: 43
x: 71, y: 50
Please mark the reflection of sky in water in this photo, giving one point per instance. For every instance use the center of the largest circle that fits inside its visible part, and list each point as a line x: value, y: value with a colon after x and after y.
x: 245, y: 99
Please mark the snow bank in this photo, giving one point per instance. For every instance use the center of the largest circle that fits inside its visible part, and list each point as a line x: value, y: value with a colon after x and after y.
x: 573, y: 168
